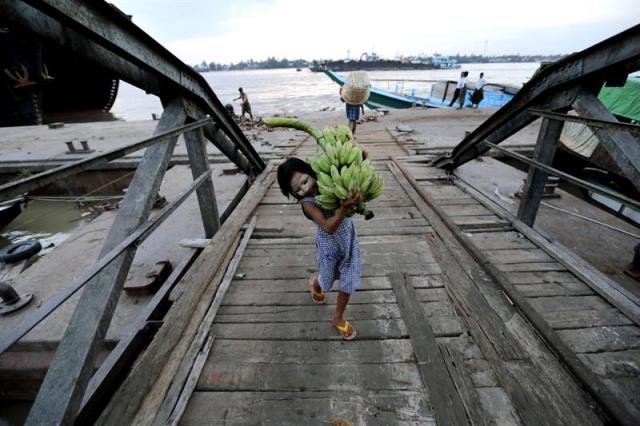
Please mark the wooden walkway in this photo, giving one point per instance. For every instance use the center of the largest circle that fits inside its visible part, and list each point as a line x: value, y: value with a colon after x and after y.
x: 438, y: 340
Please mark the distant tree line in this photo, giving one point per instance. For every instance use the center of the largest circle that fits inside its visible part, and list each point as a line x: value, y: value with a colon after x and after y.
x: 272, y: 62
x: 269, y: 63
x: 465, y: 59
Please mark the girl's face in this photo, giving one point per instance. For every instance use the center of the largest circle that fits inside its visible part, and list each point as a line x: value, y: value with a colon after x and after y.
x: 302, y: 184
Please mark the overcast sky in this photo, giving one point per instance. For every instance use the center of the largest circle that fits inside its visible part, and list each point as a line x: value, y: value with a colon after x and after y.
x: 231, y: 31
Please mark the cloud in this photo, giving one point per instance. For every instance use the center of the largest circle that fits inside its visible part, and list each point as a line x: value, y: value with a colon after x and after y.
x: 330, y: 28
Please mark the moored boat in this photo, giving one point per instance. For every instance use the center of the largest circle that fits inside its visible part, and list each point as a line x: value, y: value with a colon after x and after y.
x: 438, y: 95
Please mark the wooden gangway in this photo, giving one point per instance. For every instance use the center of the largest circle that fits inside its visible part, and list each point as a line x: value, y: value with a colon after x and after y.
x: 467, y: 314
x: 439, y: 340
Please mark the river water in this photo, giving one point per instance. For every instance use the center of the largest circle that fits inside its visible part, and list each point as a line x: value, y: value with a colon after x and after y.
x: 286, y: 91
x: 281, y: 91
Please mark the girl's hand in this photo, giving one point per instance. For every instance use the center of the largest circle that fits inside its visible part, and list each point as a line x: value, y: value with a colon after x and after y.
x: 351, y: 201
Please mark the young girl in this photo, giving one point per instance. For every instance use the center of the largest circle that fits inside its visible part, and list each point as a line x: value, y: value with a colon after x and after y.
x: 337, y: 249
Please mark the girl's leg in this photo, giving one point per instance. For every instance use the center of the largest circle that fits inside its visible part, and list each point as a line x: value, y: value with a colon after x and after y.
x: 346, y: 330
x: 352, y: 124
x: 341, y: 305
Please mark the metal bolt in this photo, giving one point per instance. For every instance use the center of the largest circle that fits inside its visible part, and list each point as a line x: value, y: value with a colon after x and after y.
x: 70, y: 146
x: 85, y: 145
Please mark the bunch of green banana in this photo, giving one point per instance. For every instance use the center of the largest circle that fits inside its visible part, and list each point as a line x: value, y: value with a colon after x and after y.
x: 339, y: 166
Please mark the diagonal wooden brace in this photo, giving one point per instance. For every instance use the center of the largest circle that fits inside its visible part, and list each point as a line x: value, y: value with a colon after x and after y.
x: 70, y: 370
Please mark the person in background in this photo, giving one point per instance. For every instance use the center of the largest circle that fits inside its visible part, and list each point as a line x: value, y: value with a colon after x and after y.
x: 460, y: 86
x: 353, y: 112
x: 478, y: 94
x: 246, y: 106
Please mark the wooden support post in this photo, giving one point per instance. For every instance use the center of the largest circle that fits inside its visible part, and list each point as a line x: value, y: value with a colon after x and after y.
x: 623, y: 148
x: 197, y: 150
x: 61, y: 393
x: 534, y: 187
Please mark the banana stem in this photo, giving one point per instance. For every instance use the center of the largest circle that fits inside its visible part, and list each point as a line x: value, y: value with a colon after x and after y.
x: 294, y: 123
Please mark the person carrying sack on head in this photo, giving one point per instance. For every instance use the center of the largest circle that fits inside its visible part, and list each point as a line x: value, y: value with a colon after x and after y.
x: 354, y: 94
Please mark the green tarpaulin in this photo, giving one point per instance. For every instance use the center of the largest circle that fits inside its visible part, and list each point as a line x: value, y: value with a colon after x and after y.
x: 623, y: 101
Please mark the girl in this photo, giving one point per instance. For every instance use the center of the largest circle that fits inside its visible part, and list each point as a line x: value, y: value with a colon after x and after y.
x: 337, y: 249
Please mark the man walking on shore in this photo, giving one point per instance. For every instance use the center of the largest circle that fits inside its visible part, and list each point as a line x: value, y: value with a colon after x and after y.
x: 246, y: 106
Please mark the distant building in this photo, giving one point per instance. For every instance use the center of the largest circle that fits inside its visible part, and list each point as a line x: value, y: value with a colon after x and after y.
x: 442, y: 61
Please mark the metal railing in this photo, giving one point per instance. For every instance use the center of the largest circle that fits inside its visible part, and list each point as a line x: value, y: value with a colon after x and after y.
x: 98, y: 31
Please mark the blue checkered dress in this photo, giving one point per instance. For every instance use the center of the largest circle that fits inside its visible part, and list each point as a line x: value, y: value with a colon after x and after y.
x: 353, y: 112
x: 338, y: 255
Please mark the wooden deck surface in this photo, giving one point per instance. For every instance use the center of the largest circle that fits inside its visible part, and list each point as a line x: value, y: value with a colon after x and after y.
x: 438, y: 341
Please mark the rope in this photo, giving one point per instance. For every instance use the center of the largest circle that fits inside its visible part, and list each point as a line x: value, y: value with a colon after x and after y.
x: 588, y: 219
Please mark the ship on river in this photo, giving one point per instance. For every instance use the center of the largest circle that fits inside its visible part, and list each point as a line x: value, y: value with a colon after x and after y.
x: 373, y: 62
x: 41, y: 82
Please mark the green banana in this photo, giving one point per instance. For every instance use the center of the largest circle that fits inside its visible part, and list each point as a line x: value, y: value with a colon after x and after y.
x: 324, y: 178
x: 329, y: 135
x: 340, y: 192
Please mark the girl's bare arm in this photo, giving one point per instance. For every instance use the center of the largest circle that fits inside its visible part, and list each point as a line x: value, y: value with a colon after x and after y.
x: 330, y: 225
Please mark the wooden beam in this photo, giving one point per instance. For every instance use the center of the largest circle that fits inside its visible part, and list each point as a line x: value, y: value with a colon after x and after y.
x: 61, y: 393
x: 198, y: 162
x: 536, y: 179
x: 183, y: 317
x: 444, y: 397
x: 623, y: 147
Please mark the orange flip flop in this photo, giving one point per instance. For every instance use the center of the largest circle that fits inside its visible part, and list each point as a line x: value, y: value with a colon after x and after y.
x: 319, y: 298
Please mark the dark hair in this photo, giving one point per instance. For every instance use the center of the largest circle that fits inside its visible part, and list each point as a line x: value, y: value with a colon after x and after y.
x: 481, y: 74
x: 285, y: 172
x: 466, y: 73
x: 240, y: 89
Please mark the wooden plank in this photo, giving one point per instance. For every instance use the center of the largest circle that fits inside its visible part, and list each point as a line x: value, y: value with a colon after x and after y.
x: 252, y: 314
x: 478, y: 221
x: 190, y: 384
x: 239, y: 376
x: 304, y: 272
x: 531, y: 267
x: 469, y: 396
x: 361, y: 231
x: 311, y: 352
x: 181, y: 321
x: 360, y: 297
x: 306, y: 407
x: 551, y: 277
x: 467, y: 210
x: 500, y: 241
x: 578, y: 312
x: 517, y: 256
x: 554, y: 289
x: 447, y: 403
x: 301, y: 284
x: 279, y: 258
x: 367, y: 329
x: 602, y: 339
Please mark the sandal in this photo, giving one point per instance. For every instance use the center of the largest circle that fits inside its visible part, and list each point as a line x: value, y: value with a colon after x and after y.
x: 346, y: 330
x: 319, y: 298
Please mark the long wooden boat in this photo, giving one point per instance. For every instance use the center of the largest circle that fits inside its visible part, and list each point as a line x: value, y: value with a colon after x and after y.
x: 439, y: 95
